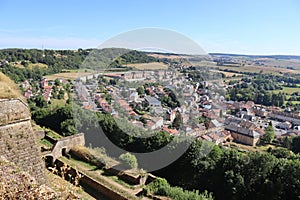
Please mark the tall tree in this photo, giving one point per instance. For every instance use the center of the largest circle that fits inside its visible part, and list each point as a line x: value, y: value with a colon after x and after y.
x: 269, y: 135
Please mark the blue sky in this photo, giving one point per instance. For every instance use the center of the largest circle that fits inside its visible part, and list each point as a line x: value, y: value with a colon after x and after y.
x: 231, y: 26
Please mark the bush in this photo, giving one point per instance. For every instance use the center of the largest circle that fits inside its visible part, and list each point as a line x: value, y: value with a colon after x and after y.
x: 129, y: 160
x: 157, y: 185
x: 89, y: 156
x: 82, y: 153
x: 160, y: 186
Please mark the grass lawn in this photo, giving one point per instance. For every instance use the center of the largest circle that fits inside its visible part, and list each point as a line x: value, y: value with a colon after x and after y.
x: 46, y: 142
x: 57, y: 102
x: 54, y: 135
x: 258, y: 148
x: 266, y: 147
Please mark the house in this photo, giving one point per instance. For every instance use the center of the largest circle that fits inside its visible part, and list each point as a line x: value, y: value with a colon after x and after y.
x: 215, y: 125
x: 204, y: 98
x: 243, y: 130
x: 170, y: 131
x: 245, y: 111
x: 154, y: 102
x: 133, y: 96
x: 137, y: 124
x: 261, y: 112
x: 47, y: 93
x: 243, y: 133
x: 248, y: 117
x: 291, y: 133
x: 125, y: 105
x: 28, y: 94
x: 215, y: 138
x: 44, y: 83
x: 25, y: 84
x: 284, y: 125
x: 155, y: 123
x: 206, y: 137
x: 283, y: 116
x: 227, y: 136
x: 104, y: 105
x: 171, y: 115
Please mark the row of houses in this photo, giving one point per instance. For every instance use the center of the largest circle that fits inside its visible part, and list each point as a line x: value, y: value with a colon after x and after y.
x: 284, y: 116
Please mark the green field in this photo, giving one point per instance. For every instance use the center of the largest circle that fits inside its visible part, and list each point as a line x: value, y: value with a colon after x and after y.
x: 57, y: 103
x: 288, y: 90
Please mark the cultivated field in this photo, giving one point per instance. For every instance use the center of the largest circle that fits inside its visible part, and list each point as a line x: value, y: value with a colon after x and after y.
x: 166, y: 56
x: 41, y: 65
x: 294, y: 63
x: 262, y: 69
x: 152, y: 65
x: 67, y: 75
x: 227, y: 74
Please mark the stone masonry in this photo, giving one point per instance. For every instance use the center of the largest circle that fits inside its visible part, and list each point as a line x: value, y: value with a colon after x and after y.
x: 17, y: 140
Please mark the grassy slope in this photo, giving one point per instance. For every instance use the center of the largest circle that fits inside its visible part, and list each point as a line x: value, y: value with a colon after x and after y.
x: 8, y: 89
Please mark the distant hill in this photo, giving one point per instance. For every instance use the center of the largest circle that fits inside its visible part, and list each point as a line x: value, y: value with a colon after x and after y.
x: 55, y: 61
x: 115, y: 57
x: 256, y: 56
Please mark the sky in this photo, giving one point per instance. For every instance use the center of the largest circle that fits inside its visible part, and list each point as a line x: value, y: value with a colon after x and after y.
x: 231, y: 26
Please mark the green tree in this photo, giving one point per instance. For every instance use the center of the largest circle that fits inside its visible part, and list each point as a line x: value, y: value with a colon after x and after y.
x: 141, y: 90
x: 129, y: 160
x: 269, y: 135
x: 68, y: 127
x: 40, y: 101
x: 24, y: 63
x: 177, y: 121
x: 295, y: 146
x: 61, y: 94
x: 57, y: 82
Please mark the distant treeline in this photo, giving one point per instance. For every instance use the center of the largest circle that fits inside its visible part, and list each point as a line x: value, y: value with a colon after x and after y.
x: 59, y: 60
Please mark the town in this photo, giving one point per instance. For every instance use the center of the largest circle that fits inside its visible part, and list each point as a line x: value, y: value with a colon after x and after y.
x: 226, y: 111
x: 173, y: 102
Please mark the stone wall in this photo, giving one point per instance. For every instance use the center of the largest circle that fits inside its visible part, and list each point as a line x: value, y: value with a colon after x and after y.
x: 17, y: 140
x: 67, y: 143
x: 87, y: 181
x: 12, y: 111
